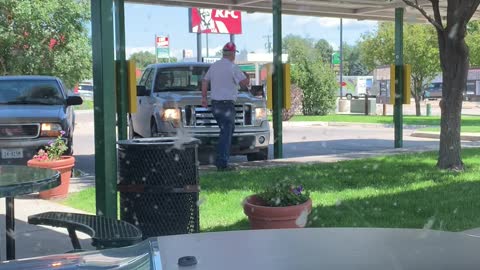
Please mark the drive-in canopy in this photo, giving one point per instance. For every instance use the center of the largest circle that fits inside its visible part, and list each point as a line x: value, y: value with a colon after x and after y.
x: 378, y: 10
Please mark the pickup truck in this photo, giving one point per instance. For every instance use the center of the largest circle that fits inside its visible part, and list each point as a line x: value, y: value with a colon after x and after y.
x: 33, y: 112
x: 169, y: 104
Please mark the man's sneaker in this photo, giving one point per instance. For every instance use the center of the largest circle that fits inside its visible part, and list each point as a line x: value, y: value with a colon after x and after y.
x: 228, y: 168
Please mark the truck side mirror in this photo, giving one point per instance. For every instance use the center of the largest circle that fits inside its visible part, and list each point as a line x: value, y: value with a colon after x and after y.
x: 258, y: 91
x: 142, y: 91
x: 74, y: 100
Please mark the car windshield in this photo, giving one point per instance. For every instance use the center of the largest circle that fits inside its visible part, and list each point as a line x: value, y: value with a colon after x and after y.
x: 43, y: 92
x: 180, y: 79
x: 85, y: 87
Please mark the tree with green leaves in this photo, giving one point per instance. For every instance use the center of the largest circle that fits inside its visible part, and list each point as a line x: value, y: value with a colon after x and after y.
x: 312, y: 75
x: 473, y: 41
x: 352, y: 63
x: 420, y: 50
x: 324, y: 49
x: 144, y: 58
x: 46, y: 37
x: 451, y: 29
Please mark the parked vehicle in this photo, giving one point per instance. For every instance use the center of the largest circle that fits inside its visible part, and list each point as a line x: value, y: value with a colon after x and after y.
x: 356, y: 86
x: 33, y: 112
x: 433, y: 91
x: 85, y: 90
x: 169, y: 104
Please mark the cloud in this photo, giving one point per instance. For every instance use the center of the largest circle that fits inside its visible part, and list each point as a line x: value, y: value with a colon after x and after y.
x: 257, y: 17
x: 330, y: 22
x: 211, y: 51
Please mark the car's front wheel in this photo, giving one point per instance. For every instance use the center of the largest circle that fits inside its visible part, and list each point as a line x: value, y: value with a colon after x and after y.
x: 260, y: 155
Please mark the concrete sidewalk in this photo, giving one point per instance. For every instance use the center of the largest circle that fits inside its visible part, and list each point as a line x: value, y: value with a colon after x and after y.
x: 35, y: 240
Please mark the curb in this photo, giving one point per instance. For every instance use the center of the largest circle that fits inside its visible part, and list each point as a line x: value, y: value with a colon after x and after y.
x: 344, y: 124
x: 434, y: 135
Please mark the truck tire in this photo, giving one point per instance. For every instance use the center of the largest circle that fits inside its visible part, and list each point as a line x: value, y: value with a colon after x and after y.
x: 207, y: 157
x: 348, y: 96
x: 260, y: 155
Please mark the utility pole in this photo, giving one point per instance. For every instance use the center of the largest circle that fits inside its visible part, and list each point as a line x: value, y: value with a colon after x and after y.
x: 268, y: 45
x: 341, y: 58
x: 206, y: 41
x: 156, y: 53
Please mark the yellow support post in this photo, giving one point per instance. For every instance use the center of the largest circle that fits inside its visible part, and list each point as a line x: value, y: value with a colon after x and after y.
x: 287, y: 97
x: 269, y: 68
x: 287, y: 100
x: 392, y: 84
x: 407, y: 85
x: 132, y: 86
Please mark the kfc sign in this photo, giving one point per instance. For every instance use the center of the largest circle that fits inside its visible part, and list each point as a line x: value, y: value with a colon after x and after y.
x: 162, y: 42
x: 215, y: 21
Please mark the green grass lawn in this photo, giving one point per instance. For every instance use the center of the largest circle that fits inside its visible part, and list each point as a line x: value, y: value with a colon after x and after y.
x: 471, y: 129
x: 404, y: 191
x: 378, y: 119
x: 86, y: 105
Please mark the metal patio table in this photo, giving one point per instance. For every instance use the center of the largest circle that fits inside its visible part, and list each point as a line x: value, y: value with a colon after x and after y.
x: 21, y: 180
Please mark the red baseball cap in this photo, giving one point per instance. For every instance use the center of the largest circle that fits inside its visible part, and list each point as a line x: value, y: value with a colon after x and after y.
x: 230, y: 47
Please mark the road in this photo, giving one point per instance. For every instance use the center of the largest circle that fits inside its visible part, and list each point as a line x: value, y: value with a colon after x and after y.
x: 298, y: 141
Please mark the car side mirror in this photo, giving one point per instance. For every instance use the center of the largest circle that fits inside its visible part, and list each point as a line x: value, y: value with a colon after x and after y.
x: 74, y: 100
x: 258, y: 91
x: 142, y: 91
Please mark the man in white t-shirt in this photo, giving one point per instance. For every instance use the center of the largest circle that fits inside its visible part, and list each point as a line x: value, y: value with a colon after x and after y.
x: 225, y: 77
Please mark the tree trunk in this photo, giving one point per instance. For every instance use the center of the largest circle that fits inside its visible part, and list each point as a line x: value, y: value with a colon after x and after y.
x: 417, y: 96
x: 454, y: 62
x: 418, y: 111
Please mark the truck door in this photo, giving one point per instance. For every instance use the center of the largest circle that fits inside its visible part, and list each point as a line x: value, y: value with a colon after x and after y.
x: 141, y: 119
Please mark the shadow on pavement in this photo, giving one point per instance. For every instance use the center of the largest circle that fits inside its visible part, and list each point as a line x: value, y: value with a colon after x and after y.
x: 33, y: 241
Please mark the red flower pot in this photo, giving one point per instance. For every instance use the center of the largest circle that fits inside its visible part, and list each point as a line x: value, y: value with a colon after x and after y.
x: 267, y: 217
x: 64, y: 166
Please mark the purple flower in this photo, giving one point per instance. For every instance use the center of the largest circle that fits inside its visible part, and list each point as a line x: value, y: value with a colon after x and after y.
x: 62, y: 132
x: 50, y: 143
x: 298, y: 190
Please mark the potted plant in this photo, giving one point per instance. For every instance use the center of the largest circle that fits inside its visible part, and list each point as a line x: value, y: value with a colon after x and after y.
x: 52, y: 158
x: 283, y: 205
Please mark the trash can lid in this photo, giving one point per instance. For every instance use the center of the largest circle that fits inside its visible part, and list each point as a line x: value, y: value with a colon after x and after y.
x: 160, y: 141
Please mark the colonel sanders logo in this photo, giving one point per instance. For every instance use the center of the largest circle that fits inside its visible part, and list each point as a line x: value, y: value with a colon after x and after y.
x: 217, y: 21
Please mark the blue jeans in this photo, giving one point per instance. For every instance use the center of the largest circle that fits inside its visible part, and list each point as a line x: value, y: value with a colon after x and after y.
x: 224, y: 113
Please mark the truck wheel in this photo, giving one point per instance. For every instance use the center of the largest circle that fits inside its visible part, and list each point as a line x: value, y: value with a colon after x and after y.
x: 206, y: 157
x: 348, y: 96
x: 69, y: 151
x: 260, y: 155
x: 131, y: 131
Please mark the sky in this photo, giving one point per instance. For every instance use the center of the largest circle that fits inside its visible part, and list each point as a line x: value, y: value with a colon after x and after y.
x: 143, y: 22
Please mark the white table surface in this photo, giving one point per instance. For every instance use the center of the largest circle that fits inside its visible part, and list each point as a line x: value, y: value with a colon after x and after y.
x: 323, y: 248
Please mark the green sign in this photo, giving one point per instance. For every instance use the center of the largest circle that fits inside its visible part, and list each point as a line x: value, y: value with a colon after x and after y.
x: 336, y: 58
x: 163, y: 53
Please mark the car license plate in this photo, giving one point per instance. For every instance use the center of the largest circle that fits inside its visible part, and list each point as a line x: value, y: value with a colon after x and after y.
x: 12, y: 153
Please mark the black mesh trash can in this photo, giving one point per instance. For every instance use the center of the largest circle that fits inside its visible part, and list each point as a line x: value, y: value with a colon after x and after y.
x: 158, y: 185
